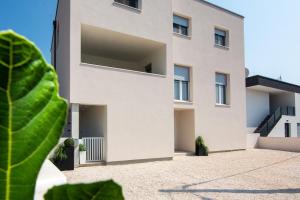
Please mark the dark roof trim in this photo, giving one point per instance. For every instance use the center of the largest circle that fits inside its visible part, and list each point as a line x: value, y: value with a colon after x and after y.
x: 221, y: 8
x: 272, y: 83
x: 54, y: 21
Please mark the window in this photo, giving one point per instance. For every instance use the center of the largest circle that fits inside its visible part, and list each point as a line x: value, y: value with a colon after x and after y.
x: 181, y: 83
x: 180, y: 25
x: 221, y: 89
x: 298, y: 129
x: 220, y: 37
x: 131, y: 3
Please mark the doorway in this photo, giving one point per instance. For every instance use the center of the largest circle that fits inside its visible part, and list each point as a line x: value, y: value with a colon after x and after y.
x: 184, y: 131
x: 287, y: 129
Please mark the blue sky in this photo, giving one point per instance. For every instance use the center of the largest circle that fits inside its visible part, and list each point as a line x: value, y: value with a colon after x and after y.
x: 272, y: 46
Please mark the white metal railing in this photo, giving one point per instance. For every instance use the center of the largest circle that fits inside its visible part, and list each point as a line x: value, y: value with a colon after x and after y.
x: 94, y: 148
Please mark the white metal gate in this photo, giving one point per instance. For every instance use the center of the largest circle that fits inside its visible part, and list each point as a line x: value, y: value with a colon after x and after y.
x: 94, y: 148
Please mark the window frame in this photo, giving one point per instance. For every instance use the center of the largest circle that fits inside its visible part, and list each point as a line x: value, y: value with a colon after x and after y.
x: 225, y: 42
x: 182, y: 27
x: 181, y: 83
x: 221, y: 90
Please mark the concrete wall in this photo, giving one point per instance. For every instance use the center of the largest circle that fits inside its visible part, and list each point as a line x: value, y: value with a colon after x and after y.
x: 109, y: 62
x: 92, y: 121
x: 63, y: 48
x: 139, y: 105
x: 282, y: 99
x: 282, y: 144
x: 222, y: 127
x: 290, y: 99
x: 252, y: 140
x: 184, y: 130
x: 257, y: 107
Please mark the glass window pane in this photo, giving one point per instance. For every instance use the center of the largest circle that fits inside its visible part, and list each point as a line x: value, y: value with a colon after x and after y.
x: 223, y: 94
x: 221, y: 79
x: 131, y: 3
x: 175, y: 28
x: 183, y: 30
x: 176, y: 90
x: 180, y: 21
x: 217, y: 95
x: 181, y: 73
x: 185, y: 91
x: 220, y: 32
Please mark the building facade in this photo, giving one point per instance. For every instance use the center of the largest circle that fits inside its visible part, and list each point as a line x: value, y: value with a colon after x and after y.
x: 148, y: 77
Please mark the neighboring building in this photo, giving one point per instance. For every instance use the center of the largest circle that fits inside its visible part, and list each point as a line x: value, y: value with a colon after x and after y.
x: 145, y: 78
x: 273, y: 107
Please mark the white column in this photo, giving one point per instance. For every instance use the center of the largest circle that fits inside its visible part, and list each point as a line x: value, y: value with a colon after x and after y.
x: 75, y: 120
x: 75, y: 130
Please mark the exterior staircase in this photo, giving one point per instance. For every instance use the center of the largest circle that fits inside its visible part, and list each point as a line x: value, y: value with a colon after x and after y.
x: 267, y: 125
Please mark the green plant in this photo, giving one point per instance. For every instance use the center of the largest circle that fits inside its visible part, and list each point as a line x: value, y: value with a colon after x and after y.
x: 199, y: 140
x: 69, y: 142
x: 201, y: 148
x: 60, y: 153
x: 82, y: 147
x: 32, y: 119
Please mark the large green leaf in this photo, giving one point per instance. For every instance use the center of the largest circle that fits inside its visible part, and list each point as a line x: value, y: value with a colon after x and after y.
x: 107, y: 190
x: 32, y: 115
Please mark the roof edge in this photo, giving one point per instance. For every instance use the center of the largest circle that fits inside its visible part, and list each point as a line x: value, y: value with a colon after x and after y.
x: 273, y: 83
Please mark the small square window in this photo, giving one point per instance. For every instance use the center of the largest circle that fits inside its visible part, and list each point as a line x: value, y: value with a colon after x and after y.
x: 130, y: 3
x: 221, y: 37
x: 180, y: 25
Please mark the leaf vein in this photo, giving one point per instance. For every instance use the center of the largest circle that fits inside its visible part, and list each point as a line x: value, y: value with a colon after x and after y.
x: 41, y: 144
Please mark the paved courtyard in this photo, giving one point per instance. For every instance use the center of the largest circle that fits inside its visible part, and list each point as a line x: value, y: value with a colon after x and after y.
x: 251, y: 174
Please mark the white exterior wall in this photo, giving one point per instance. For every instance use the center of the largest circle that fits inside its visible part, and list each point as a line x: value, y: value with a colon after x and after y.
x: 63, y: 48
x: 279, y: 129
x: 258, y: 107
x: 140, y: 106
x: 282, y: 99
x: 223, y: 128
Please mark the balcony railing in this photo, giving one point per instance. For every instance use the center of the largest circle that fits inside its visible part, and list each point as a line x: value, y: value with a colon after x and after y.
x: 270, y: 121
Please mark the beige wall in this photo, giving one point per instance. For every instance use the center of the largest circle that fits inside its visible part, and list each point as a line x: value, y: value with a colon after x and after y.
x: 140, y: 106
x: 92, y: 121
x: 184, y: 126
x: 223, y: 128
x: 63, y: 48
x: 282, y: 144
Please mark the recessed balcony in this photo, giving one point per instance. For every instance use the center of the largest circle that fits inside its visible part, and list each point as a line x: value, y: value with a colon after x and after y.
x: 121, y: 51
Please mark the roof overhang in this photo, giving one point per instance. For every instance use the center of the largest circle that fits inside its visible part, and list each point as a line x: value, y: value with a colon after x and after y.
x: 270, y: 85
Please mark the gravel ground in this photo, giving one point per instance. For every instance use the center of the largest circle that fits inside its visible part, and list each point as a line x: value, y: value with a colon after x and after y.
x: 252, y: 174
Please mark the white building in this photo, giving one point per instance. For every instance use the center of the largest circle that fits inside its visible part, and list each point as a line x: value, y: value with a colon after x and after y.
x: 145, y: 78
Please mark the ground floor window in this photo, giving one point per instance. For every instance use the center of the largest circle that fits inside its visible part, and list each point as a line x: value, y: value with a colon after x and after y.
x: 221, y: 88
x: 298, y: 129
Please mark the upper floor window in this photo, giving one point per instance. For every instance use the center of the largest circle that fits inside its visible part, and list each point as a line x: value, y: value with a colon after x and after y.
x: 181, y: 83
x: 180, y: 25
x: 131, y: 3
x: 221, y: 89
x: 221, y: 37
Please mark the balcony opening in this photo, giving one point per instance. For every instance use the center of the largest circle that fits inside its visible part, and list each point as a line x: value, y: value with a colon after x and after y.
x: 113, y: 49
